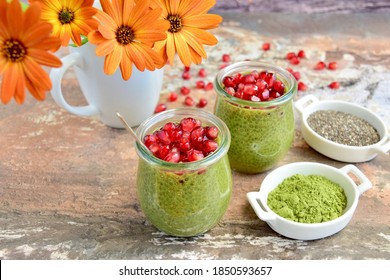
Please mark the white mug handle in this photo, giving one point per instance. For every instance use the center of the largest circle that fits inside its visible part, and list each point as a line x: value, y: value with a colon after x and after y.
x: 56, y: 76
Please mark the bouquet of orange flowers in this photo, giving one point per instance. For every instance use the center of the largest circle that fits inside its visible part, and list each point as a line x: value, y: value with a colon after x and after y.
x: 144, y: 33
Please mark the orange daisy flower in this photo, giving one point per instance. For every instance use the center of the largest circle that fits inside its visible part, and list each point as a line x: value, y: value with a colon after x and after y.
x: 70, y: 18
x: 24, y: 42
x: 187, y: 33
x: 126, y: 35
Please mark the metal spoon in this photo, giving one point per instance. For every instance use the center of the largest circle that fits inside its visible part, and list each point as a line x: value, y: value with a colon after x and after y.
x: 129, y: 129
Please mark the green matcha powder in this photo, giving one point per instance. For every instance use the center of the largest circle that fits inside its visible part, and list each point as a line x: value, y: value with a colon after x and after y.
x: 307, y: 199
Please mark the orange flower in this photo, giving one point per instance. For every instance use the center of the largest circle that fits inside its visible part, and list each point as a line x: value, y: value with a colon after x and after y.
x: 126, y: 35
x: 188, y: 21
x: 24, y: 42
x: 70, y: 18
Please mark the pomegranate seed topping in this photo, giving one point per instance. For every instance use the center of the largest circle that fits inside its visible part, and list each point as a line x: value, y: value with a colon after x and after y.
x: 279, y: 86
x: 160, y: 108
x: 238, y: 78
x: 154, y: 148
x: 250, y: 89
x: 301, y: 54
x: 211, y: 132
x: 169, y: 127
x: 302, y: 86
x: 209, y: 86
x: 295, y: 60
x: 266, y: 46
x: 172, y: 156
x: 230, y: 90
x: 202, y: 103
x: 184, y: 145
x: 202, y: 73
x: 269, y: 79
x: 185, y: 90
x: 209, y: 146
x: 334, y: 85
x: 264, y: 96
x: 255, y: 98
x: 320, y: 65
x: 150, y: 139
x: 226, y: 58
x: 274, y: 94
x: 261, y: 85
x: 228, y: 82
x: 172, y: 97
x: 290, y: 55
x: 332, y: 65
x: 163, y: 137
x: 197, y: 136
x: 200, y: 84
x: 194, y: 155
x: 188, y: 101
x: 163, y: 152
x: 186, y: 75
x: 249, y: 79
x: 187, y: 124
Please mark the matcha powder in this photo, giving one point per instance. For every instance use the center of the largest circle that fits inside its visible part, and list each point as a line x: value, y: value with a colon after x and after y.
x: 307, y: 199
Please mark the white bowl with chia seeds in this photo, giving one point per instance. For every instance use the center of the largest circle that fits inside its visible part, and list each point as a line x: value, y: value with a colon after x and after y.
x: 342, y: 130
x: 352, y: 188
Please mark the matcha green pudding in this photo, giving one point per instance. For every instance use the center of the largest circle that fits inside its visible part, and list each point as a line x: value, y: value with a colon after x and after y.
x: 260, y: 120
x: 184, y: 179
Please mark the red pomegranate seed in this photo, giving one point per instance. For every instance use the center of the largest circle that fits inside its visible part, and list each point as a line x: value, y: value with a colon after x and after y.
x: 209, y: 146
x: 163, y: 152
x: 295, y: 60
x: 160, y: 108
x: 209, y: 86
x: 223, y: 65
x: 301, y: 54
x: 249, y: 79
x: 226, y: 58
x: 188, y: 101
x: 202, y: 103
x: 185, y: 90
x: 154, y: 148
x: 172, y: 157
x: 250, y: 89
x: 230, y: 90
x: 302, y: 86
x: 332, y: 65
x: 334, y: 85
x: 150, y: 139
x: 186, y: 75
x: 187, y: 124
x: 266, y: 46
x: 163, y: 137
x: 261, y: 85
x: 320, y: 65
x: 202, y: 73
x: 184, y: 145
x: 197, y: 135
x: 254, y: 98
x: 290, y: 55
x: 194, y: 155
x: 296, y: 75
x: 264, y: 96
x: 279, y: 86
x: 169, y: 127
x: 269, y: 79
x: 211, y: 132
x: 228, y: 82
x: 172, y: 96
x: 200, y: 84
x: 187, y: 68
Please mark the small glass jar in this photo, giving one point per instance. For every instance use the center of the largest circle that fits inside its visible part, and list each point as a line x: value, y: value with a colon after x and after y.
x: 184, y: 199
x: 262, y: 132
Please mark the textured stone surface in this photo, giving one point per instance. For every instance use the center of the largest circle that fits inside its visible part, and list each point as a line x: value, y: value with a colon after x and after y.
x: 67, y: 188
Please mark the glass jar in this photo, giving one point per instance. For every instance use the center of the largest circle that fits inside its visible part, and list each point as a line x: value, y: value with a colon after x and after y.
x: 184, y: 199
x: 262, y: 132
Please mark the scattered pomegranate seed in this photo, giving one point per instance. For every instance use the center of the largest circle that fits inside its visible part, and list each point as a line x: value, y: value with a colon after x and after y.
x: 172, y: 96
x: 226, y: 58
x: 202, y: 103
x: 290, y: 55
x: 302, y: 86
x: 301, y: 54
x: 334, y: 85
x: 185, y: 90
x: 296, y: 75
x: 266, y: 46
x: 209, y: 86
x: 332, y: 65
x: 202, y: 73
x: 295, y: 60
x: 200, y: 84
x: 223, y: 65
x: 186, y: 75
x: 320, y: 65
x: 187, y: 68
x: 188, y: 101
x: 160, y: 108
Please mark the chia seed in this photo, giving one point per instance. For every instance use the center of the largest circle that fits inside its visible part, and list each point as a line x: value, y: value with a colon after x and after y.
x: 343, y: 128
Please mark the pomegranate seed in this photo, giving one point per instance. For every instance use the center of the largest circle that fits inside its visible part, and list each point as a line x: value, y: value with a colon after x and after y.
x: 186, y: 75
x: 209, y: 86
x: 169, y: 127
x: 230, y: 90
x: 154, y: 148
x: 238, y: 78
x: 202, y: 73
x: 226, y: 58
x: 266, y: 46
x: 274, y: 94
x: 185, y: 90
x: 290, y: 55
x: 163, y: 137
x: 320, y: 65
x: 150, y: 139
x: 269, y: 79
x: 187, y: 124
x: 172, y: 97
x: 187, y: 68
x: 295, y: 60
x: 188, y: 101
x: 264, y: 96
x: 211, y: 132
x: 261, y: 85
x: 334, y: 85
x: 302, y: 86
x: 184, y: 145
x: 332, y: 65
x: 160, y: 108
x: 200, y: 84
x: 250, y: 89
x: 202, y: 103
x: 255, y: 98
x: 296, y: 75
x: 228, y: 82
x: 279, y: 86
x: 172, y: 157
x: 249, y: 79
x: 163, y: 152
x: 209, y: 146
x: 223, y: 65
x: 301, y: 54
x: 194, y: 155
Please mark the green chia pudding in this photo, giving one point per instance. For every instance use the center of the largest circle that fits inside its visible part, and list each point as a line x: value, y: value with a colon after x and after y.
x: 255, y: 102
x: 184, y: 179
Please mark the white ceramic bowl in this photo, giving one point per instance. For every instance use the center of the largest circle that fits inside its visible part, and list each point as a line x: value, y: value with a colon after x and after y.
x: 310, y: 104
x: 305, y: 231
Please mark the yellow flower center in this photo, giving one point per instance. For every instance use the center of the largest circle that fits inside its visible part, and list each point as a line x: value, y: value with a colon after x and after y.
x: 175, y: 22
x: 14, y: 50
x: 124, y: 35
x: 66, y: 16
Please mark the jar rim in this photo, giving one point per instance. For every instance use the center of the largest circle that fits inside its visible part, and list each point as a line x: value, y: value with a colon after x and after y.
x: 157, y: 121
x: 243, y: 66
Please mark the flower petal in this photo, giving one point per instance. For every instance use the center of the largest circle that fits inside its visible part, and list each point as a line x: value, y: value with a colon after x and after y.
x: 126, y: 65
x: 203, y: 36
x: 193, y: 42
x: 106, y: 32
x: 14, y: 14
x: 204, y: 21
x: 8, y: 85
x: 107, y: 47
x: 37, y: 34
x: 36, y: 74
x: 44, y: 58
x: 95, y: 37
x: 112, y: 61
x: 182, y: 49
